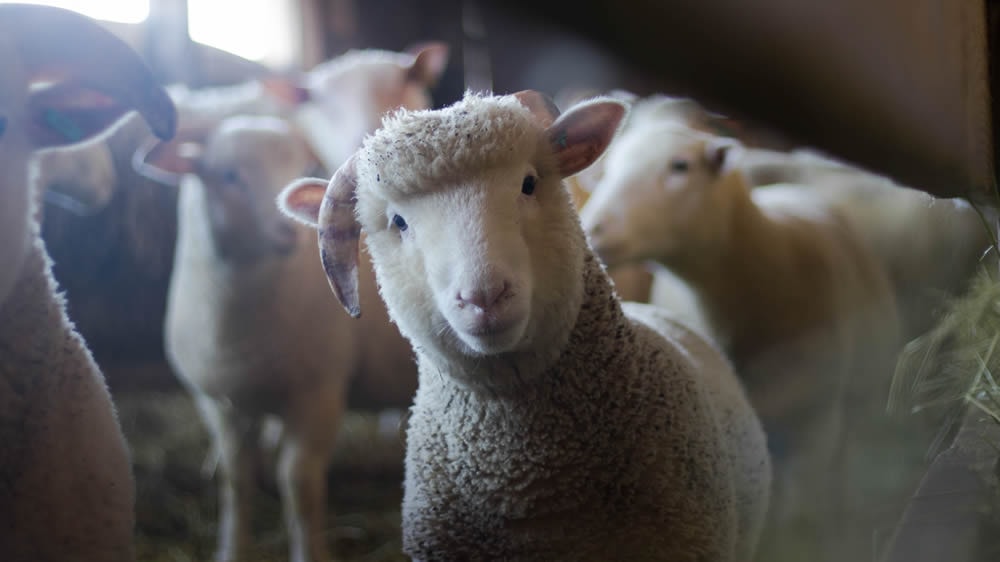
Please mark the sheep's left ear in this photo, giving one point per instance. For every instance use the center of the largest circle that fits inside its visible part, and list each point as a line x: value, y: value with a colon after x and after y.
x: 581, y: 135
x: 301, y: 200
x: 719, y: 152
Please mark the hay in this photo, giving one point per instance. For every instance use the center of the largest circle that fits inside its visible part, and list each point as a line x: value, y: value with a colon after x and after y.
x: 176, y: 511
x: 958, y: 361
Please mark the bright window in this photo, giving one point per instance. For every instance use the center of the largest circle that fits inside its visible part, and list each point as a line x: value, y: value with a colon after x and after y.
x: 125, y: 11
x: 259, y: 30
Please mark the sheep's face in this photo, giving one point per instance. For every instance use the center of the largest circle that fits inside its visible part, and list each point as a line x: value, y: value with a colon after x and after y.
x: 243, y: 165
x: 475, y: 243
x: 354, y: 91
x: 56, y: 92
x: 484, y: 266
x: 663, y: 196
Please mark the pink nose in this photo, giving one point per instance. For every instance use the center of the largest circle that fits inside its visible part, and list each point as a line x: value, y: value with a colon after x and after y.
x: 483, y: 298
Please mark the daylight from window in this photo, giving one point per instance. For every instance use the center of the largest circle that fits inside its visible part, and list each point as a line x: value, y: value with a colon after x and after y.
x: 263, y: 32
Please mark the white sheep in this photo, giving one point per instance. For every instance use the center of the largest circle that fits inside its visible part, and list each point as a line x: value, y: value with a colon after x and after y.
x: 67, y: 491
x: 551, y: 422
x: 930, y: 247
x: 250, y: 328
x: 788, y: 287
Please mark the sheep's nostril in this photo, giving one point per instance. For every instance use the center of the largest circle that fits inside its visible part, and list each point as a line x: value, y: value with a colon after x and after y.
x: 483, y: 298
x: 597, y: 229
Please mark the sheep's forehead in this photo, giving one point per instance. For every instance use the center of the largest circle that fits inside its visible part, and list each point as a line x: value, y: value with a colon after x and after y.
x: 420, y: 151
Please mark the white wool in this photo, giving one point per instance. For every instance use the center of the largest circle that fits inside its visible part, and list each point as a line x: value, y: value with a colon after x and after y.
x: 253, y: 334
x: 787, y: 284
x: 66, y: 490
x: 600, y: 433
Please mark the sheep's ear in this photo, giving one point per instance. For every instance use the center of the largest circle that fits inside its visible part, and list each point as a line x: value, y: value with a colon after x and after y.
x: 340, y: 235
x: 301, y: 200
x: 541, y: 106
x: 92, y: 78
x: 430, y: 60
x: 289, y: 90
x: 581, y: 135
x: 719, y: 151
x: 167, y: 161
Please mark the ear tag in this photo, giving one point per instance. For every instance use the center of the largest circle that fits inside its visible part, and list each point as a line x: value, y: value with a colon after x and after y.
x: 63, y: 124
x: 561, y: 141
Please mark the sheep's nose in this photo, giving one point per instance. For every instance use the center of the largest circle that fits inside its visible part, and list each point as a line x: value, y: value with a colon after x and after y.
x: 597, y: 229
x: 484, y: 297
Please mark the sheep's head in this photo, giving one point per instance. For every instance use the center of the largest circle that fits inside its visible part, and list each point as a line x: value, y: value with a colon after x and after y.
x: 475, y: 244
x: 65, y: 80
x: 666, y: 195
x: 350, y: 94
x: 242, y: 163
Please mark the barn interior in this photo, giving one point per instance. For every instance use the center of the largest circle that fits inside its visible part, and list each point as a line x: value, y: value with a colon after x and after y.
x: 876, y: 91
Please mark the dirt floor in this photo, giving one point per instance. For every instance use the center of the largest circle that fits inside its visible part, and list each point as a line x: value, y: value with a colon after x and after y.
x: 176, y: 503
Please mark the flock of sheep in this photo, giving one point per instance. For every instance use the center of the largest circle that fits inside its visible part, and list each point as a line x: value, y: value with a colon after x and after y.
x: 549, y: 418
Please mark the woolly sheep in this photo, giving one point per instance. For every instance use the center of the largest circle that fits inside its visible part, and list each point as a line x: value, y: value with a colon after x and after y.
x: 250, y: 329
x: 67, y: 491
x: 115, y: 262
x: 930, y: 247
x: 789, y: 289
x: 647, y: 282
x: 551, y: 421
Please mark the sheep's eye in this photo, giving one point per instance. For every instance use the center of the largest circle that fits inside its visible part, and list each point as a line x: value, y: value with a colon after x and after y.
x: 400, y: 223
x: 231, y: 177
x: 679, y: 166
x: 3, y: 125
x: 528, y: 185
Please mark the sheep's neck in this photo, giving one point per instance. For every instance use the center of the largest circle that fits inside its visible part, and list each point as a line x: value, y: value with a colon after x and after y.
x: 599, y: 317
x: 760, y: 267
x: 37, y: 343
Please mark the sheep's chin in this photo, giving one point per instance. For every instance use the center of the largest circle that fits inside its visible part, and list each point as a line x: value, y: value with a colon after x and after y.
x: 504, y: 337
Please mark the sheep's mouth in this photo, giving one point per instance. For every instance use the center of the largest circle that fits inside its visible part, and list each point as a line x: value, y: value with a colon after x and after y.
x: 493, y: 333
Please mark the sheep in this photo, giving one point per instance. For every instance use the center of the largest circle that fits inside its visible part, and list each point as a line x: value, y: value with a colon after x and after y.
x: 67, y: 491
x: 646, y: 282
x: 790, y: 291
x: 930, y: 247
x: 551, y: 422
x: 248, y: 329
x: 115, y: 263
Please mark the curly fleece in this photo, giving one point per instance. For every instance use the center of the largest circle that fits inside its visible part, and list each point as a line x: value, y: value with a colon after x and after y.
x: 634, y: 442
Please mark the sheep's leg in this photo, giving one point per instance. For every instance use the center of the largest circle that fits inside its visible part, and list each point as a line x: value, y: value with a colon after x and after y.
x: 235, y: 438
x: 310, y: 431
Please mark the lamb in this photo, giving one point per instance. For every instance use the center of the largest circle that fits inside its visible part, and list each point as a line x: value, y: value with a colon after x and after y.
x: 790, y: 290
x: 551, y: 422
x: 250, y: 329
x: 67, y: 491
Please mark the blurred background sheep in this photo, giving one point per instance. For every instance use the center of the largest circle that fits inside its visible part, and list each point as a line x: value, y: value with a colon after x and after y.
x: 111, y: 232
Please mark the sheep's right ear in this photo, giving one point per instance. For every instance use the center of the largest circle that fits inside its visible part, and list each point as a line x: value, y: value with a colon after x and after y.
x: 340, y: 235
x: 301, y: 200
x: 581, y: 135
x: 167, y: 161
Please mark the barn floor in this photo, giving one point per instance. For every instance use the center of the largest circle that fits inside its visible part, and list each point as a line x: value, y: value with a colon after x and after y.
x: 176, y: 511
x: 176, y: 504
